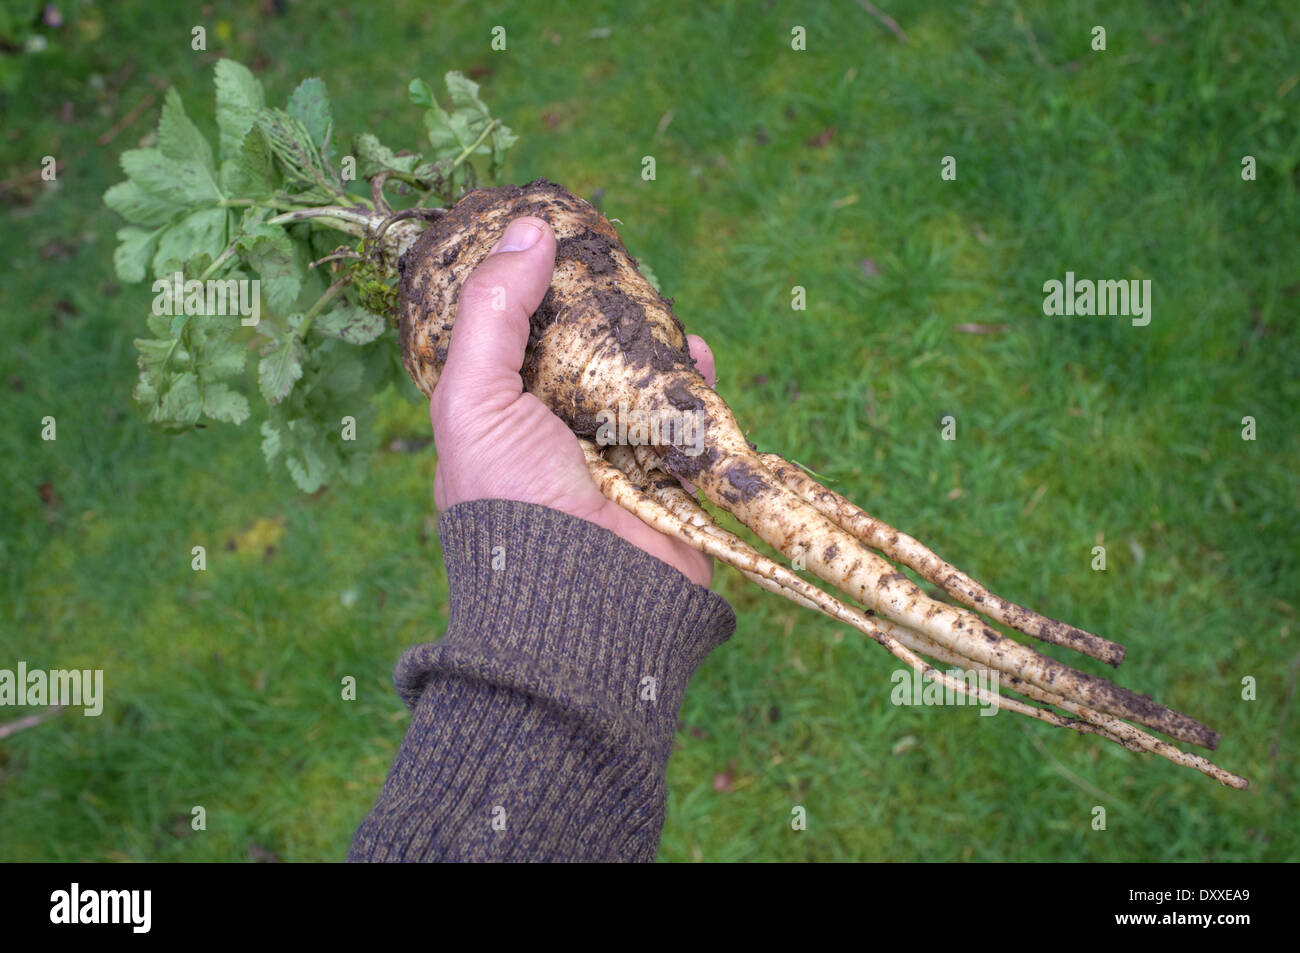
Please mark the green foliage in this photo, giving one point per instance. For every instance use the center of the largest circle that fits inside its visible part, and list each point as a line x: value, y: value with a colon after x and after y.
x: 210, y: 216
x: 467, y: 129
x: 351, y: 324
x: 184, y: 373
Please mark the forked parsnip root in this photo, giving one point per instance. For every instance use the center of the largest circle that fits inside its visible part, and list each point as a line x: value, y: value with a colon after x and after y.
x: 1107, y: 726
x: 603, y: 340
x: 740, y: 482
x: 631, y: 479
x: 904, y: 549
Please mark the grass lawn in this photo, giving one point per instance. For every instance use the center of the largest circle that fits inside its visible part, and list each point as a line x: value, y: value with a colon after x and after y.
x: 775, y: 168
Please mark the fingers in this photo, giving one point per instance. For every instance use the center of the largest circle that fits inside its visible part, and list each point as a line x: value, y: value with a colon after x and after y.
x: 496, y: 301
x: 702, y: 355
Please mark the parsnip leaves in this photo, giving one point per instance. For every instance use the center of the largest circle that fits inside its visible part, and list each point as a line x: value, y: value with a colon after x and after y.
x: 465, y: 130
x: 281, y: 366
x: 310, y: 106
x: 183, y: 373
x: 232, y: 279
x: 351, y: 324
x: 239, y: 100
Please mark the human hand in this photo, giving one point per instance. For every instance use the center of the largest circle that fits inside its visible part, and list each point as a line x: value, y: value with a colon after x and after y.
x: 496, y: 441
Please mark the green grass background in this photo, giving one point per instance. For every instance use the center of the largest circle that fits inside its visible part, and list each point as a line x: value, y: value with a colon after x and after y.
x: 224, y: 687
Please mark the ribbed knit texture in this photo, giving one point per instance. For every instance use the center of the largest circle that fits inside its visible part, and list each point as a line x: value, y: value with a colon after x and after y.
x: 542, y: 722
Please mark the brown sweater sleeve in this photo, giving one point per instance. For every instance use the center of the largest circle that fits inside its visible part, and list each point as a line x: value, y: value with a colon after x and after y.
x: 542, y: 722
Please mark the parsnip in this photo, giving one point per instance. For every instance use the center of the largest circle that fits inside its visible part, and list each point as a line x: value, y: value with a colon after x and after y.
x: 633, y: 481
x: 904, y: 549
x: 603, y: 338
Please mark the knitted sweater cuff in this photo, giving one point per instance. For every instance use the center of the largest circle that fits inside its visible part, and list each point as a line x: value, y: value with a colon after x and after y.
x: 557, y: 607
x: 542, y: 722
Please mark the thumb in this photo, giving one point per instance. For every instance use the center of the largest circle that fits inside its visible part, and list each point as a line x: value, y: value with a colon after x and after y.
x: 496, y: 301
